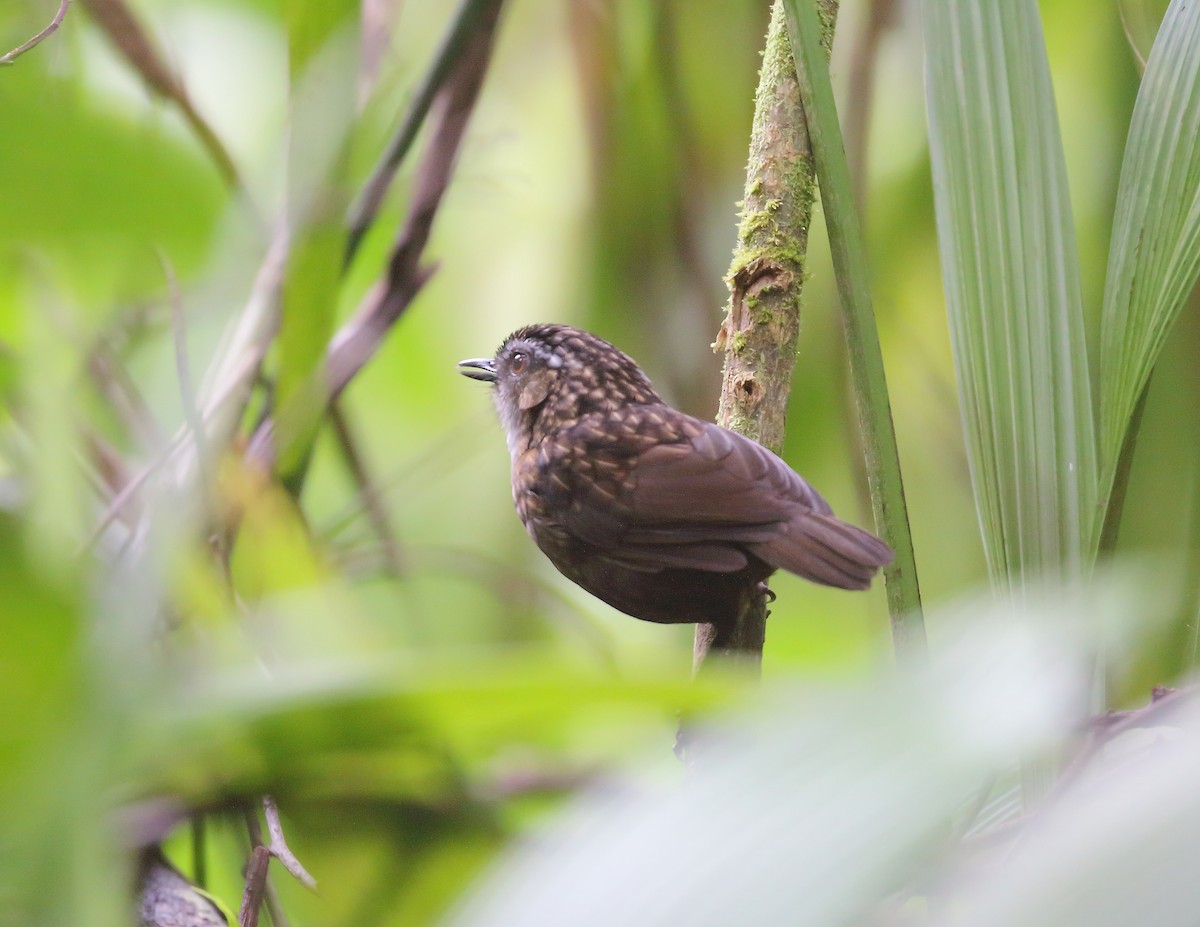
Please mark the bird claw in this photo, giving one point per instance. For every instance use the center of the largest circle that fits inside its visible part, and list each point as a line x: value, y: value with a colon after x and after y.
x: 765, y: 591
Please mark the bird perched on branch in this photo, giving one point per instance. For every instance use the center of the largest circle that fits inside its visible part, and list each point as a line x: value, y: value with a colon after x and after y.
x: 661, y: 515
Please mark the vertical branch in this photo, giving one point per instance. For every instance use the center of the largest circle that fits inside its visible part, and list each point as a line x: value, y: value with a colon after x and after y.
x: 762, y: 319
x: 256, y: 887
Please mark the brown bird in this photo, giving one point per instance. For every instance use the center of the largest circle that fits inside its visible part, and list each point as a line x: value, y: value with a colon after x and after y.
x: 661, y: 515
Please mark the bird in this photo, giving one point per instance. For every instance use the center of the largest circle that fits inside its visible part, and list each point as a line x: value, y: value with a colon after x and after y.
x: 661, y: 515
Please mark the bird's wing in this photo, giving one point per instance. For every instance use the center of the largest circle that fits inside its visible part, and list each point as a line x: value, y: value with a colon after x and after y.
x: 653, y: 488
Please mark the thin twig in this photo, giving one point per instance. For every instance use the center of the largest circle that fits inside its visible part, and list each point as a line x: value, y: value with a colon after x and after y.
x: 1107, y: 727
x: 104, y: 466
x: 116, y: 505
x: 279, y: 917
x: 440, y: 455
x: 134, y: 42
x: 356, y: 342
x: 372, y: 500
x: 474, y: 17
x: 195, y: 421
x: 124, y: 398
x: 279, y: 848
x: 267, y: 891
x: 40, y: 37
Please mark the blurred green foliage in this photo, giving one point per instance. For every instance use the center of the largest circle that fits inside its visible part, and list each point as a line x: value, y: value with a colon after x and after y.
x: 416, y: 709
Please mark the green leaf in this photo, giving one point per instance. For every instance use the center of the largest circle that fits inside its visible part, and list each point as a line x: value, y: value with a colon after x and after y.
x: 322, y: 110
x: 814, y: 810
x: 310, y: 26
x: 1010, y: 271
x: 1155, y: 254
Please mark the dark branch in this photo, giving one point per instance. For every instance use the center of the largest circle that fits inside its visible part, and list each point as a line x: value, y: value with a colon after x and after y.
x: 256, y: 887
x: 356, y: 342
x: 475, y: 19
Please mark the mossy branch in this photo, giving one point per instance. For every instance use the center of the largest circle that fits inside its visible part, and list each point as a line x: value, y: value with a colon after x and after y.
x: 762, y: 321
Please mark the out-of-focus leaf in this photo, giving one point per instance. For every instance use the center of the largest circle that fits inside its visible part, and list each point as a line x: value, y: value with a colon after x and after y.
x: 1010, y: 271
x: 273, y: 550
x: 1155, y: 255
x: 310, y: 26
x: 806, y: 809
x: 1118, y: 851
x: 101, y: 217
x: 351, y: 730
x: 53, y: 741
x: 324, y: 66
x: 837, y: 807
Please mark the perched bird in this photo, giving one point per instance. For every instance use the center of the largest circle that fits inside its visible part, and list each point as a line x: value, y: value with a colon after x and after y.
x: 661, y: 515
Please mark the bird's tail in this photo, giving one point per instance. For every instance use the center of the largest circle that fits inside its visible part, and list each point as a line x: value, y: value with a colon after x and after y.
x: 826, y: 550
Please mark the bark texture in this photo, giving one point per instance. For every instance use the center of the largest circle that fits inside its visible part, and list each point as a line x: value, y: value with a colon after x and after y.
x: 762, y: 321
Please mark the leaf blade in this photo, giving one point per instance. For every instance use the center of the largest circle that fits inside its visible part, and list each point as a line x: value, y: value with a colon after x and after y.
x: 1154, y: 258
x: 1013, y: 299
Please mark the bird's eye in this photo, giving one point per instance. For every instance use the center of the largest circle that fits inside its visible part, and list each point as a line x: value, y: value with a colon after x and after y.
x: 519, y: 363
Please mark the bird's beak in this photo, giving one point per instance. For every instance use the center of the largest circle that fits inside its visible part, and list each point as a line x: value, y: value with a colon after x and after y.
x: 481, y: 368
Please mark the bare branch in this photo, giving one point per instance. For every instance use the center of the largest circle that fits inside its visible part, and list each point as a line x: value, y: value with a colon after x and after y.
x: 356, y: 342
x: 256, y: 887
x: 279, y: 848
x: 187, y: 395
x: 40, y: 37
x: 135, y: 43
x: 475, y: 19
x: 368, y: 492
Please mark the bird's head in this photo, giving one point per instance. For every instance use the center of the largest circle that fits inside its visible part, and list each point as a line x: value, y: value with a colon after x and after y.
x: 548, y: 376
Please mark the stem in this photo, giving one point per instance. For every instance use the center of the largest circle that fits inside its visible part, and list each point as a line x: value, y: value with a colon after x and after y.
x: 40, y: 37
x: 762, y: 320
x: 473, y: 17
x: 1119, y: 484
x: 199, y: 851
x: 862, y: 338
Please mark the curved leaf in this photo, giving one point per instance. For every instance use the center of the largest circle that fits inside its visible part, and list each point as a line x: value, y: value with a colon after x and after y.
x: 1010, y: 271
x: 1155, y: 254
